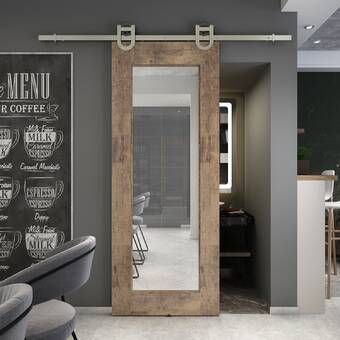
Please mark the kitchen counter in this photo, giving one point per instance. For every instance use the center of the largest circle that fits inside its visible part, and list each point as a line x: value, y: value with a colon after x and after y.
x: 311, y: 242
x: 316, y: 178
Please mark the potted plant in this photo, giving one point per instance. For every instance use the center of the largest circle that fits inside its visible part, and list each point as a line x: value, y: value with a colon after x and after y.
x: 303, y: 156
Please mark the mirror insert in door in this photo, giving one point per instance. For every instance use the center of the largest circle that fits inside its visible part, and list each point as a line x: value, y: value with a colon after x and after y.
x: 165, y: 178
x: 165, y: 150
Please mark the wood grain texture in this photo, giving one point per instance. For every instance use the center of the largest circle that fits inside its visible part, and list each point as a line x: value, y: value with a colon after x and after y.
x: 121, y: 180
x: 125, y: 300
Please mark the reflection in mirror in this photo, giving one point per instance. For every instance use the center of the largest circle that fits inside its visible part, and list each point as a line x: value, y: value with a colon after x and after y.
x: 165, y: 178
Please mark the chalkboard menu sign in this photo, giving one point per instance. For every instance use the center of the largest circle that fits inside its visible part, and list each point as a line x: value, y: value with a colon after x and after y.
x: 35, y: 157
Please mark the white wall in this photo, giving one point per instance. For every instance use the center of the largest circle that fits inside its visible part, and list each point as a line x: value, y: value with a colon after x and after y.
x: 318, y: 61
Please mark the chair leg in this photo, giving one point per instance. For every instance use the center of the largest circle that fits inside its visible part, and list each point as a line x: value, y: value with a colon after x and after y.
x: 138, y: 250
x: 140, y: 245
x: 144, y: 240
x: 329, y: 252
x: 335, y: 270
x: 74, y: 335
x: 136, y: 276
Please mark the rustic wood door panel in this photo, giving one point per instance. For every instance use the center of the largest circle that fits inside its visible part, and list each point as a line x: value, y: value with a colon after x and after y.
x: 125, y: 300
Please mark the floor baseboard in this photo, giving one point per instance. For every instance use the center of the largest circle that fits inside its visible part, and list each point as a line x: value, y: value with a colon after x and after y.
x: 284, y: 310
x: 94, y: 310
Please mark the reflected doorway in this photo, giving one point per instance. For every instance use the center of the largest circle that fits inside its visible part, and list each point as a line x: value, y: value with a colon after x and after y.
x: 165, y: 173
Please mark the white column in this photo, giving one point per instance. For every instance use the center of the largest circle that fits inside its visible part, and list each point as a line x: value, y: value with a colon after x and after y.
x: 311, y: 246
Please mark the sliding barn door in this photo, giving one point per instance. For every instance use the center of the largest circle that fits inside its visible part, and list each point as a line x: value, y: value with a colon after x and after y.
x: 165, y: 179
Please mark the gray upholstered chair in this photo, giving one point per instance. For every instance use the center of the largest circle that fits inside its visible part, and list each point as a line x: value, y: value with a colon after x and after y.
x: 138, y: 212
x: 138, y: 207
x: 15, y: 303
x: 51, y: 320
x: 65, y: 269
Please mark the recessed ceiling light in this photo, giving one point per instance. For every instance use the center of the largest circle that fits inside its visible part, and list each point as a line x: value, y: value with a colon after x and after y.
x: 317, y: 41
x: 309, y: 27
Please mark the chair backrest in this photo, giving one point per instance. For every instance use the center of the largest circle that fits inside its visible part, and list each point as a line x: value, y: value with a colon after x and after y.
x: 329, y: 186
x: 64, y: 270
x: 138, y: 205
x: 147, y: 196
x: 15, y: 303
x: 147, y: 199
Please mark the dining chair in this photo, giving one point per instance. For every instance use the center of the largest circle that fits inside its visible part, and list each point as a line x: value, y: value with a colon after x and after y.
x: 138, y: 218
x: 15, y: 304
x: 138, y: 207
x: 64, y: 270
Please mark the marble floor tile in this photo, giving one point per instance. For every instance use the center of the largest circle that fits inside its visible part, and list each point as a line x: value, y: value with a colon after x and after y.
x: 97, y: 323
x: 171, y: 262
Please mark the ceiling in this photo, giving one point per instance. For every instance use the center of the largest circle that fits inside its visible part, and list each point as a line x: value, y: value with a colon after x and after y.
x: 325, y: 17
x: 239, y: 77
x: 328, y: 35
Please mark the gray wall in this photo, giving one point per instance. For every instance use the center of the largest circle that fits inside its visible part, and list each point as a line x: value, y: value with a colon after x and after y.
x: 161, y: 163
x: 283, y: 144
x: 21, y: 22
x: 257, y: 172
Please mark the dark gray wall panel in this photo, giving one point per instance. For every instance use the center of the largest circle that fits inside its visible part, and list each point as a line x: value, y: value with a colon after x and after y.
x: 22, y: 21
x: 257, y: 171
x: 283, y: 122
x: 318, y: 115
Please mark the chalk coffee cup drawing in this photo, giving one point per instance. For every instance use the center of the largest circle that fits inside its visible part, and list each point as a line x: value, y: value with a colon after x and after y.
x: 9, y: 189
x: 2, y: 90
x: 8, y: 140
x: 9, y: 240
x: 41, y: 141
x: 41, y: 240
x: 42, y: 192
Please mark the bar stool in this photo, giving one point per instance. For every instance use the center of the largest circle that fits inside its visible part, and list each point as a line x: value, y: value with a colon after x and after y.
x: 138, y: 207
x: 331, y: 230
x: 138, y: 218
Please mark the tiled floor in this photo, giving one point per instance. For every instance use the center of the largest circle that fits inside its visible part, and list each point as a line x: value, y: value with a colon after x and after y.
x: 335, y: 282
x: 242, y: 301
x: 171, y: 262
x: 98, y: 324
